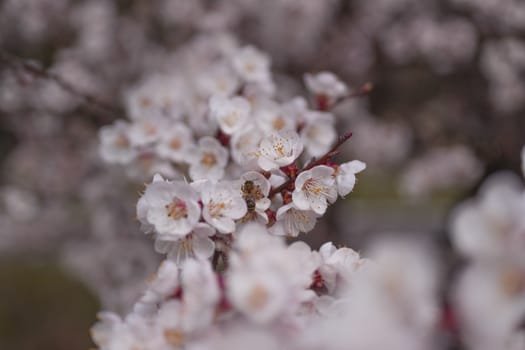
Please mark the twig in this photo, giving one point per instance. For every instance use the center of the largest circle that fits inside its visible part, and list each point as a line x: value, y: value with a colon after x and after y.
x: 364, y: 90
x: 18, y: 63
x: 331, y: 153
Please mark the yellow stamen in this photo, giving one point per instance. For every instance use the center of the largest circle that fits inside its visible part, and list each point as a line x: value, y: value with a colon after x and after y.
x: 208, y: 159
x: 175, y: 143
x: 174, y: 337
x: 258, y: 297
x: 177, y: 209
x: 278, y: 123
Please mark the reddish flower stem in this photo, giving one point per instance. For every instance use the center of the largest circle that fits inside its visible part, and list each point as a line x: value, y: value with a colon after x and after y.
x: 362, y: 91
x: 315, y: 162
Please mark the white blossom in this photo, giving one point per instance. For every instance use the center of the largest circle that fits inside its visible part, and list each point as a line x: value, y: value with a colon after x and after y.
x: 492, y: 225
x: 326, y: 84
x: 271, y: 118
x: 222, y: 205
x: 111, y: 332
x: 219, y: 80
x: 209, y: 160
x: 244, y: 146
x: 155, y: 97
x: 265, y: 279
x: 170, y: 208
x: 291, y: 221
x: 252, y: 65
x: 297, y: 108
x: 489, y: 301
x: 279, y: 150
x: 338, y: 266
x: 318, y: 135
x: 201, y: 294
x: 163, y: 284
x: 314, y: 189
x: 260, y: 296
x: 115, y: 145
x: 196, y: 244
x: 231, y: 114
x: 345, y: 176
x: 146, y: 131
x: 176, y: 143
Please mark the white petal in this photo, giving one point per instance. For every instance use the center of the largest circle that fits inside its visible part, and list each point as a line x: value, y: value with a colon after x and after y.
x: 345, y: 184
x: 266, y: 164
x: 321, y: 171
x: 203, y: 248
x: 300, y: 200
x: 223, y: 224
x: 354, y: 166
x: 203, y: 230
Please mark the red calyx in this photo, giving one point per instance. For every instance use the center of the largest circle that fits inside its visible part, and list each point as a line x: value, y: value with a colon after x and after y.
x: 178, y: 293
x: 317, y: 281
x: 224, y: 304
x: 448, y: 319
x: 323, y: 102
x: 271, y: 217
x: 290, y: 170
x: 223, y: 138
x: 287, y: 196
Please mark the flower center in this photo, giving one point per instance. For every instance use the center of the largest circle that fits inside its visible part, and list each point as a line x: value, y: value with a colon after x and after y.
x: 512, y: 282
x: 279, y: 148
x: 174, y: 337
x: 278, y: 123
x: 313, y: 186
x: 258, y: 297
x: 175, y: 143
x: 216, y: 208
x: 313, y: 132
x: 122, y: 141
x: 149, y: 128
x: 231, y: 118
x: 208, y: 159
x: 221, y: 84
x: 250, y: 67
x: 146, y: 102
x: 177, y: 209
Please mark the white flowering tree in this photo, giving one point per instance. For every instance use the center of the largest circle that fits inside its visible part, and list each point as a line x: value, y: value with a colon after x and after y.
x: 236, y: 170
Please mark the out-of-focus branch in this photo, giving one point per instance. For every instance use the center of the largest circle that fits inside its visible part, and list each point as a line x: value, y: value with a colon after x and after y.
x: 33, y: 68
x: 364, y: 90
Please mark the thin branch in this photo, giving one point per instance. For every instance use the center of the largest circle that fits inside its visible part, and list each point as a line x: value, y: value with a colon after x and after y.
x: 364, y: 90
x: 331, y: 153
x: 18, y: 63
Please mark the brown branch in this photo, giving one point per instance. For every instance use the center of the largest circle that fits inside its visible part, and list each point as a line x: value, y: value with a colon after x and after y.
x: 31, y: 67
x: 364, y: 90
x: 315, y: 162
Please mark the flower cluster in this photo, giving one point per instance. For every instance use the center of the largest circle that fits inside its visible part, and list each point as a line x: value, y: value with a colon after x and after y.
x: 441, y: 169
x: 266, y: 284
x: 489, y: 295
x: 274, y: 296
x: 249, y: 156
x: 226, y: 109
x: 281, y: 297
x: 244, y: 170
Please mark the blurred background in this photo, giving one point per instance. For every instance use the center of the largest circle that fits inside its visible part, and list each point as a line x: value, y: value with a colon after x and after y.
x: 446, y: 111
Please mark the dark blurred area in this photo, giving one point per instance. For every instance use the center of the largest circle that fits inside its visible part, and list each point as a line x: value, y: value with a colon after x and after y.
x: 446, y: 111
